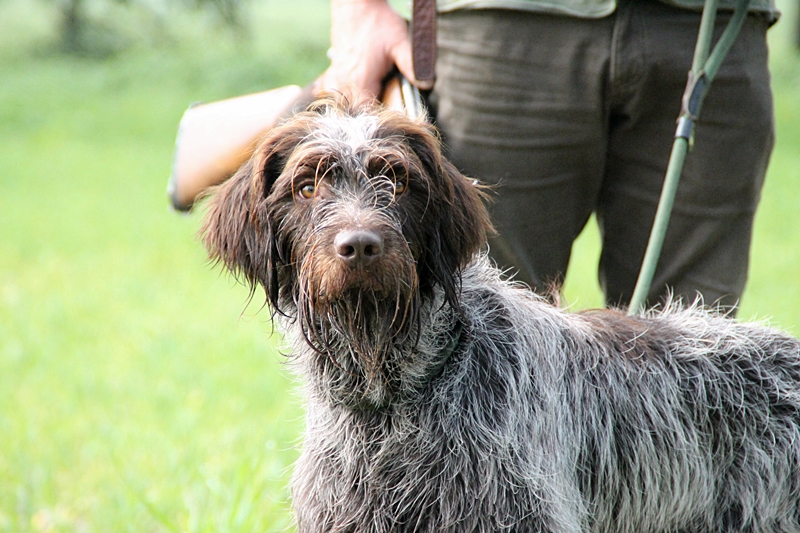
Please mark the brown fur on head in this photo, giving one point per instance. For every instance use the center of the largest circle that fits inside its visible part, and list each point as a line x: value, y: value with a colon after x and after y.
x: 332, y: 174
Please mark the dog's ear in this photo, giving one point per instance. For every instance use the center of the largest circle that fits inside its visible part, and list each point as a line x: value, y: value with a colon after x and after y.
x: 461, y: 230
x: 458, y: 223
x: 236, y: 229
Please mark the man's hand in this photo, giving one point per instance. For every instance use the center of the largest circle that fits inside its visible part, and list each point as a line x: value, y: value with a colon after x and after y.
x: 368, y: 39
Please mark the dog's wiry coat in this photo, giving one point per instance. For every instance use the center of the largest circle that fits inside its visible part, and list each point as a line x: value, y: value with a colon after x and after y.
x: 444, y: 398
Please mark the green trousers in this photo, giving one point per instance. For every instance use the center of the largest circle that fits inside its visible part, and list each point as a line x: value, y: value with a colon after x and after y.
x: 569, y: 117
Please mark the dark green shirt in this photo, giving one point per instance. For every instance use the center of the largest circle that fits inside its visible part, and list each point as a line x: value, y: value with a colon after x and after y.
x: 589, y: 8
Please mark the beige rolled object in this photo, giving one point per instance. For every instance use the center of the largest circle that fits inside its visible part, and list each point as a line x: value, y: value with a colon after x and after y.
x: 214, y: 139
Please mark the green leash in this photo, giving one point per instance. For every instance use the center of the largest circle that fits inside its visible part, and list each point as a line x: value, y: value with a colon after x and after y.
x: 704, y: 69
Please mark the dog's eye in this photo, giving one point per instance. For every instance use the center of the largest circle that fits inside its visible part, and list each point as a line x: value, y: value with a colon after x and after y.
x: 400, y: 186
x: 307, y: 191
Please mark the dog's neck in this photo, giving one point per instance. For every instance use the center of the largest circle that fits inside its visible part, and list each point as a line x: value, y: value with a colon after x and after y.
x: 340, y: 375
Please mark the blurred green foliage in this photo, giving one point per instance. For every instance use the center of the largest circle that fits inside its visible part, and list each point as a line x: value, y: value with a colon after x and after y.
x: 93, y: 28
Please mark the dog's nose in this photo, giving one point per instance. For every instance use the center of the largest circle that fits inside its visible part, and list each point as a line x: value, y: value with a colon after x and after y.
x: 358, y: 247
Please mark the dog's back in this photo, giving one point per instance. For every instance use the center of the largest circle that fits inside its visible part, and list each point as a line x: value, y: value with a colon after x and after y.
x: 694, y: 422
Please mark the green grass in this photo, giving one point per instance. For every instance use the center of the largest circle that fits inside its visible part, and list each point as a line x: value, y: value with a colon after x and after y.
x: 135, y: 394
x: 138, y: 392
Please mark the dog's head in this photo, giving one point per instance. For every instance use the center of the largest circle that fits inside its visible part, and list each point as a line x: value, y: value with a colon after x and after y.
x: 352, y: 207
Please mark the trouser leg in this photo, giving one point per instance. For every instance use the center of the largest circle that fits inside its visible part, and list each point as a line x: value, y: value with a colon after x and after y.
x: 706, y: 247
x: 519, y: 102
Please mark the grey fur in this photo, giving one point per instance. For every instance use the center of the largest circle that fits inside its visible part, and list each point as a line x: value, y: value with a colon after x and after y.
x: 501, y: 412
x: 544, y: 421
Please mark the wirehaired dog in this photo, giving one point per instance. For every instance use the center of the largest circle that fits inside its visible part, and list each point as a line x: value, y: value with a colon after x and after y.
x: 442, y: 397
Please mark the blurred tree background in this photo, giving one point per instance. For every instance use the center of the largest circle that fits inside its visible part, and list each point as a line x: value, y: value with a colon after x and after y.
x: 86, y: 26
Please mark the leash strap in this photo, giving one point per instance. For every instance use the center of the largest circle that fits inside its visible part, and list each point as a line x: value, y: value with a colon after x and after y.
x: 423, y: 39
x: 704, y: 69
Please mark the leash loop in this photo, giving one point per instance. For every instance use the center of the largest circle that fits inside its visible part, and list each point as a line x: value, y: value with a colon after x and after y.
x: 696, y: 88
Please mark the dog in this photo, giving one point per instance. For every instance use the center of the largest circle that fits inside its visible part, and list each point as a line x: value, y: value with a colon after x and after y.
x: 443, y: 397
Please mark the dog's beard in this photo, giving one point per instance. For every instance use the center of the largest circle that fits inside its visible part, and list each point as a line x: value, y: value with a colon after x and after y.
x: 362, y: 338
x: 363, y: 326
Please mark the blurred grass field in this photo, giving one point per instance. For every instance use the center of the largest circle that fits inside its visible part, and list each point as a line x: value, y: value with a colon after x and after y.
x: 138, y: 392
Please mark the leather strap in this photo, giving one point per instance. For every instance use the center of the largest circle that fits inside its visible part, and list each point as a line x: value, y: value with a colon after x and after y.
x: 423, y: 39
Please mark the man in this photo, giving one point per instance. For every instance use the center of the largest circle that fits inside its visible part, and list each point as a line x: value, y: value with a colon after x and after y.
x: 569, y: 106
